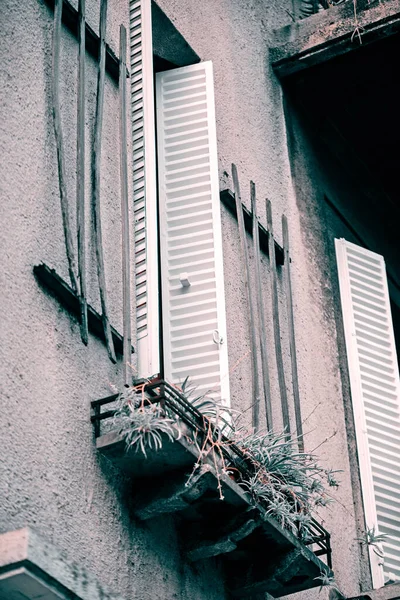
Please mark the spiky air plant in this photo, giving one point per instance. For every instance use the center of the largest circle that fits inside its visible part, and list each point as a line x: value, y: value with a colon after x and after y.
x: 290, y: 485
x: 328, y: 581
x: 373, y: 539
x: 143, y: 424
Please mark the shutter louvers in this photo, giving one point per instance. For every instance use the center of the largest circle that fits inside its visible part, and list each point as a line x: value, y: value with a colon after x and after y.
x: 375, y: 389
x: 191, y: 246
x: 144, y: 189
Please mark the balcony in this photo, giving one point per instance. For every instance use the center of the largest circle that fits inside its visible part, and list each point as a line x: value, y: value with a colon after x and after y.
x: 258, y: 554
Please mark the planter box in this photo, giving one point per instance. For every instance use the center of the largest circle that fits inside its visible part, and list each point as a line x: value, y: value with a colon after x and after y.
x: 258, y: 555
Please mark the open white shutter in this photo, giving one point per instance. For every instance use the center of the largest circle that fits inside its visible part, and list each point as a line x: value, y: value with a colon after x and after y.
x: 194, y: 328
x: 144, y: 189
x: 375, y: 390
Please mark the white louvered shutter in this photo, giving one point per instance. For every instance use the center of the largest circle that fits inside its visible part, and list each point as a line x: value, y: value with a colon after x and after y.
x: 144, y: 189
x: 375, y: 390
x: 194, y: 328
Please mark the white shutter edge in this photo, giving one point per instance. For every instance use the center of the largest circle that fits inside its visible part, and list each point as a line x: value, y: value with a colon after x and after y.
x: 360, y: 425
x: 148, y: 347
x: 206, y: 67
x: 219, y: 261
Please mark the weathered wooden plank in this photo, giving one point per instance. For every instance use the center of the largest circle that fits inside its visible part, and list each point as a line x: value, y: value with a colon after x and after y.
x: 276, y: 323
x: 223, y: 538
x: 330, y: 34
x: 69, y: 299
x: 126, y: 257
x: 255, y: 389
x: 273, y: 578
x: 292, y: 339
x: 80, y: 171
x: 55, y: 88
x: 261, y: 310
x: 227, y: 198
x: 96, y: 163
x: 70, y: 20
x: 174, y: 494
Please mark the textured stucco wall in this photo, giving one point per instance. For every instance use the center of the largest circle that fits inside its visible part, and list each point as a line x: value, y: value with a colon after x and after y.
x: 51, y: 477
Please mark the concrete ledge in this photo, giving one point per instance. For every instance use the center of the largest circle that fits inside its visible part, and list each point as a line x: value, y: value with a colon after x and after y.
x: 331, y: 33
x: 32, y: 568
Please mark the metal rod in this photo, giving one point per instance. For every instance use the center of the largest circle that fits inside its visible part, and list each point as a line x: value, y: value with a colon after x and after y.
x: 292, y: 340
x: 252, y: 324
x: 261, y: 311
x: 277, y: 329
x: 126, y: 278
x: 96, y: 162
x: 55, y: 88
x: 80, y: 171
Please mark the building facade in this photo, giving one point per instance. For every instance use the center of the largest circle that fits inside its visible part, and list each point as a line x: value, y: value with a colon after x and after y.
x: 307, y: 113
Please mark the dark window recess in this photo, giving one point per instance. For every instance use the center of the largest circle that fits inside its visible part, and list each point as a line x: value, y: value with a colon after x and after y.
x: 170, y: 49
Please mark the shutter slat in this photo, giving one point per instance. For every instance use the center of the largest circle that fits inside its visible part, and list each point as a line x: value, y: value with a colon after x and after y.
x: 375, y: 390
x: 194, y: 316
x: 144, y: 188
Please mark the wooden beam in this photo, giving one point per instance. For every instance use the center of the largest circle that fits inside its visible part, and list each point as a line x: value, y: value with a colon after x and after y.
x: 173, y: 494
x: 126, y: 254
x: 261, y: 310
x: 292, y: 339
x: 80, y: 172
x: 61, y: 291
x: 96, y: 164
x: 255, y: 388
x: 70, y: 20
x: 274, y: 578
x: 221, y: 539
x: 227, y: 198
x: 330, y: 33
x: 276, y: 323
x: 58, y: 134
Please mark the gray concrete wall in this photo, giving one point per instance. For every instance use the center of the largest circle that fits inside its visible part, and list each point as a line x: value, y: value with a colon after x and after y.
x: 53, y: 478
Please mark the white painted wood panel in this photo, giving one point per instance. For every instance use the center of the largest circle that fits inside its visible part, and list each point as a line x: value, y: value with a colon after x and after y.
x: 194, y: 328
x: 375, y: 389
x: 144, y: 189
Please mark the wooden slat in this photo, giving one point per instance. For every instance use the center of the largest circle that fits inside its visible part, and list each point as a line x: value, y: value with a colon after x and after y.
x: 80, y: 172
x: 261, y: 311
x: 292, y: 339
x: 55, y: 88
x: 277, y: 328
x: 126, y: 267
x: 70, y: 20
x: 227, y: 198
x: 255, y: 395
x: 96, y: 181
x: 69, y: 300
